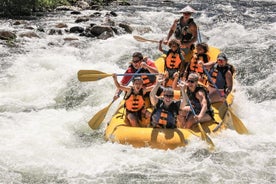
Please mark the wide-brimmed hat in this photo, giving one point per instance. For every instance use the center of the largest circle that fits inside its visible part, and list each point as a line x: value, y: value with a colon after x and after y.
x: 187, y: 9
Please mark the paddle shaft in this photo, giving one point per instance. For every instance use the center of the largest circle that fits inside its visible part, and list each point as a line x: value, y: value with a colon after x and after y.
x: 141, y: 39
x: 136, y: 74
x: 95, y: 75
x: 203, y: 133
x: 123, y: 74
x: 199, y: 40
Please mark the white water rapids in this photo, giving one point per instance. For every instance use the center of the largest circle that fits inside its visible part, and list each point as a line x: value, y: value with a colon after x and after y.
x: 44, y: 109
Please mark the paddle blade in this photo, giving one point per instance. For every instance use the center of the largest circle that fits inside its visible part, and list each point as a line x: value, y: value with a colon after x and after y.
x: 141, y: 39
x: 224, y: 107
x: 222, y: 110
x: 238, y: 125
x: 91, y: 75
x: 227, y: 120
x: 205, y: 137
x: 84, y: 72
x: 98, y: 118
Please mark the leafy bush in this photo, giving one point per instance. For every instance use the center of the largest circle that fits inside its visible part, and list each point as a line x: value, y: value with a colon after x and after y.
x: 10, y: 8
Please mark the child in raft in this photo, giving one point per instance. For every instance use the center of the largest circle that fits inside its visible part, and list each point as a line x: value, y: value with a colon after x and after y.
x: 174, y: 61
x: 134, y: 99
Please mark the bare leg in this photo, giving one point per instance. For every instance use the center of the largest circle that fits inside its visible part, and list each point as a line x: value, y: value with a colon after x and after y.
x: 132, y: 120
x: 205, y: 118
x: 191, y: 120
x: 182, y: 117
x: 215, y: 96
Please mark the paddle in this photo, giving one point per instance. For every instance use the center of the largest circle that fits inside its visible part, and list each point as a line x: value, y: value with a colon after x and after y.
x: 237, y: 123
x: 141, y: 39
x: 98, y: 118
x: 204, y: 136
x: 199, y: 40
x: 95, y: 75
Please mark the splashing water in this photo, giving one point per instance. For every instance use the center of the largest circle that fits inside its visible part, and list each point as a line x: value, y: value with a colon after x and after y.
x: 44, y: 109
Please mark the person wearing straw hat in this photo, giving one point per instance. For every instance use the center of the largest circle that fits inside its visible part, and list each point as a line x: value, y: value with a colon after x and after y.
x: 184, y: 29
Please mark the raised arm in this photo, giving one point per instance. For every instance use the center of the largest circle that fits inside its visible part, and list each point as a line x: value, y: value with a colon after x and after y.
x: 183, y: 87
x: 118, y: 85
x: 153, y: 97
x: 175, y: 81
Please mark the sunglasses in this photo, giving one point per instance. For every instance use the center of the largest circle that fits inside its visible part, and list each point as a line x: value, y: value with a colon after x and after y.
x: 168, y: 96
x: 191, y: 81
x: 136, y: 61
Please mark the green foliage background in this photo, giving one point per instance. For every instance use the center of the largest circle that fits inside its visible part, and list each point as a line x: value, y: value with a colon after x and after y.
x: 10, y: 8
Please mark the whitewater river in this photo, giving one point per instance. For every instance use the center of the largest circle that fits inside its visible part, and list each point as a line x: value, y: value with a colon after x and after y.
x: 44, y: 109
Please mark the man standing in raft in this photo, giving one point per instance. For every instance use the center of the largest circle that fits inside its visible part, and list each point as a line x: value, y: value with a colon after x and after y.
x: 185, y: 30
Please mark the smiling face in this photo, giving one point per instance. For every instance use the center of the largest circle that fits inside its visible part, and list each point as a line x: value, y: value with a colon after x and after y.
x: 136, y: 62
x: 221, y: 62
x: 168, y: 96
x: 192, y: 81
x: 137, y: 85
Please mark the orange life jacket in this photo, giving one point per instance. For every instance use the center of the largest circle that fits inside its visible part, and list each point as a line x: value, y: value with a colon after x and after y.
x: 134, y: 102
x: 195, y: 67
x: 173, y: 61
x: 163, y: 117
x: 146, y: 81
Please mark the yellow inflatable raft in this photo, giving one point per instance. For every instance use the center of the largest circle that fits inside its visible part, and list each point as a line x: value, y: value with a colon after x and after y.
x: 118, y: 131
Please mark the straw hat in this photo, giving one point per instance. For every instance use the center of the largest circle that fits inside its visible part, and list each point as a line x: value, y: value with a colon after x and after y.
x: 187, y: 9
